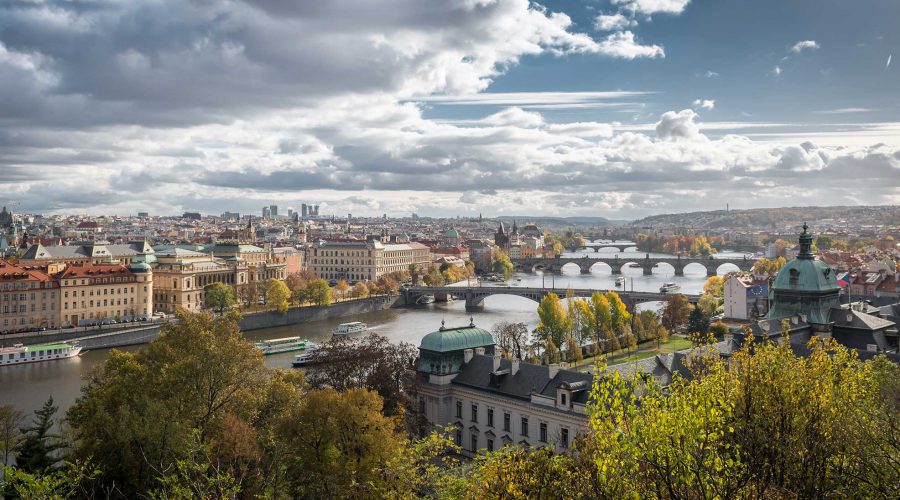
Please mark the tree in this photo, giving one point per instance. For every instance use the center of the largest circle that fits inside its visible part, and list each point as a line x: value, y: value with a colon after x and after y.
x: 601, y: 313
x: 769, y: 267
x: 360, y: 290
x: 339, y: 443
x: 551, y: 353
x: 676, y: 311
x: 10, y: 435
x: 698, y: 322
x: 714, y: 286
x: 342, y: 286
x: 388, y: 285
x: 718, y: 329
x: 511, y: 338
x: 502, y: 265
x: 581, y: 320
x: 553, y: 321
x: 415, y: 272
x: 278, y: 295
x: 318, y: 292
x: 37, y: 451
x: 619, y: 316
x: 434, y: 278
x: 709, y: 305
x: 140, y: 411
x: 574, y: 349
x: 218, y: 296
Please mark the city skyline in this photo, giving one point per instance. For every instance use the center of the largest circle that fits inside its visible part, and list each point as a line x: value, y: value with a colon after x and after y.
x: 619, y: 109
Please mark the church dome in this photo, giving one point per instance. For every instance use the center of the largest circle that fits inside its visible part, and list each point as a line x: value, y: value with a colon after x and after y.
x: 806, y: 273
x: 456, y: 339
x: 451, y: 233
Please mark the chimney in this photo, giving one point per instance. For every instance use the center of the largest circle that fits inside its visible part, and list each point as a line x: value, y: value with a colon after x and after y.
x: 554, y: 369
x: 467, y: 355
x: 496, y: 362
x: 514, y: 369
x: 479, y: 351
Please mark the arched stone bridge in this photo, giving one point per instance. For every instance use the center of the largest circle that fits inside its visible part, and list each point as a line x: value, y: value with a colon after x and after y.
x: 621, y: 246
x: 617, y: 263
x: 474, y: 296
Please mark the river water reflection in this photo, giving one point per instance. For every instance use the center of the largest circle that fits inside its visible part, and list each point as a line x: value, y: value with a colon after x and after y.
x: 28, y: 386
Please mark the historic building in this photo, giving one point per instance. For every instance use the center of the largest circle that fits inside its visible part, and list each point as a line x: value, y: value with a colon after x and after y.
x: 365, y: 260
x: 493, y: 402
x: 745, y: 297
x: 88, y: 251
x: 181, y: 275
x: 107, y: 291
x: 28, y: 298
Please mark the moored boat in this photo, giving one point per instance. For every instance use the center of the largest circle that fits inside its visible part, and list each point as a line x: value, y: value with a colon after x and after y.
x: 348, y: 328
x: 669, y: 287
x: 287, y: 344
x: 307, y: 357
x: 620, y: 281
x: 19, y: 354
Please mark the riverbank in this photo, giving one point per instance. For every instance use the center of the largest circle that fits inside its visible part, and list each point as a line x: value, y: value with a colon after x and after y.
x: 251, y: 321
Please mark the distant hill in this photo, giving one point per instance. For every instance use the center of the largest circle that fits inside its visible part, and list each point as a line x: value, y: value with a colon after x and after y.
x: 543, y: 221
x: 762, y: 218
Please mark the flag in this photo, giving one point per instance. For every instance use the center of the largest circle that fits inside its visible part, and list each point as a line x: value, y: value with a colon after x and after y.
x: 844, y: 280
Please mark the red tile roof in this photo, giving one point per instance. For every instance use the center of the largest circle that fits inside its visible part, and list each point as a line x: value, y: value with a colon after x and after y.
x: 89, y: 270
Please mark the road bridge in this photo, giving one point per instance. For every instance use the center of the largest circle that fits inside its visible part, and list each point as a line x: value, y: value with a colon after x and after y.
x: 475, y: 295
x: 554, y: 265
x: 621, y: 246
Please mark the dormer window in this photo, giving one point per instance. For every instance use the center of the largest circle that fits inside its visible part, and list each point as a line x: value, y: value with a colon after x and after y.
x: 794, y: 276
x: 562, y: 399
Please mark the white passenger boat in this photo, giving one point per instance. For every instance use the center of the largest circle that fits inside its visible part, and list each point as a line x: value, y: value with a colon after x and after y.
x: 348, y: 328
x: 620, y: 281
x: 669, y: 288
x: 307, y: 357
x: 287, y: 344
x: 19, y: 354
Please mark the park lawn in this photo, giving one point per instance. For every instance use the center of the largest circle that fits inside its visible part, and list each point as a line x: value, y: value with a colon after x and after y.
x: 643, y: 351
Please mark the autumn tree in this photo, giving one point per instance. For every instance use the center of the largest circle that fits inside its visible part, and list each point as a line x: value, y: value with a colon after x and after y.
x: 511, y: 338
x: 278, y: 295
x: 581, y: 321
x: 553, y: 323
x: 317, y: 292
x: 360, y: 290
x: 218, y: 297
x: 709, y: 305
x: 676, y: 311
x: 502, y: 265
x: 769, y: 267
x: 342, y: 287
x: 714, y: 286
x: 434, y: 278
x: 620, y: 318
x: 698, y: 322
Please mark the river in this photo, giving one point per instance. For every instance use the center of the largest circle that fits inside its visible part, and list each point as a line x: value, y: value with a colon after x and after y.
x: 28, y: 386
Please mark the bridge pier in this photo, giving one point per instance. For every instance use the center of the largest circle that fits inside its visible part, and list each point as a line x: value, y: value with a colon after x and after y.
x: 711, y: 271
x: 679, y: 271
x: 473, y: 304
x: 585, y: 270
x: 648, y: 270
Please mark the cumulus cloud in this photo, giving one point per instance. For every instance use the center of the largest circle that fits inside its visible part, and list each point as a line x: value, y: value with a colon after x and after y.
x: 169, y: 106
x: 623, y: 44
x: 653, y: 6
x: 704, y: 103
x: 804, y: 45
x: 613, y: 22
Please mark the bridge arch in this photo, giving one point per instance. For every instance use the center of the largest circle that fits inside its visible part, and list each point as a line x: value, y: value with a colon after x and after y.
x: 726, y: 268
x: 570, y: 268
x: 601, y: 268
x: 631, y: 268
x: 663, y: 269
x: 695, y: 268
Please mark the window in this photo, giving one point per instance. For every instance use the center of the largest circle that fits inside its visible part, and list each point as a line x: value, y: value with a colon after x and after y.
x: 562, y: 399
x: 457, y: 438
x: 490, y: 445
x: 543, y: 432
x: 474, y: 442
x: 490, y: 421
x: 474, y: 413
x: 506, y: 419
x: 564, y: 437
x: 459, y: 409
x: 525, y: 426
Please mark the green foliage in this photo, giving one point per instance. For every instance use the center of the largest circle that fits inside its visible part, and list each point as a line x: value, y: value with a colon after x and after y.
x: 698, y: 322
x: 278, y: 295
x: 709, y: 305
x: 317, y: 292
x: 553, y: 323
x: 10, y: 434
x: 73, y: 480
x: 434, y: 278
x: 502, y: 265
x: 219, y: 297
x: 38, y: 450
x: 765, y: 424
x: 718, y: 329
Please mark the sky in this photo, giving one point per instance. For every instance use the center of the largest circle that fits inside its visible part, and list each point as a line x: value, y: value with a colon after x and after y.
x: 609, y: 108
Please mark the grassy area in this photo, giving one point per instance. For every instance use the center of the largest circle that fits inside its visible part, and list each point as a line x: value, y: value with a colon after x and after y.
x: 643, y: 351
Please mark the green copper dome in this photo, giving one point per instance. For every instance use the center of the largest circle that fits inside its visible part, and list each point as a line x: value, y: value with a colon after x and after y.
x: 456, y: 339
x: 139, y: 267
x: 805, y: 273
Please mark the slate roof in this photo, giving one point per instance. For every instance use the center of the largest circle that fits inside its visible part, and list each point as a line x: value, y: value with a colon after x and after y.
x: 477, y: 374
x: 849, y: 318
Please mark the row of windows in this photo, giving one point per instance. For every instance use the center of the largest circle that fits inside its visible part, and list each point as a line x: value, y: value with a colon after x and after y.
x: 507, y: 421
x: 489, y: 442
x: 106, y: 291
x: 106, y: 302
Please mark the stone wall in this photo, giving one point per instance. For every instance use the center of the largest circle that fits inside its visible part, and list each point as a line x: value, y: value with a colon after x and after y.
x: 296, y: 315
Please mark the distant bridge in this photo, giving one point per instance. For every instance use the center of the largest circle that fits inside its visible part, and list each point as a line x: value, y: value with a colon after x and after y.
x: 621, y: 246
x: 474, y: 296
x: 616, y: 263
